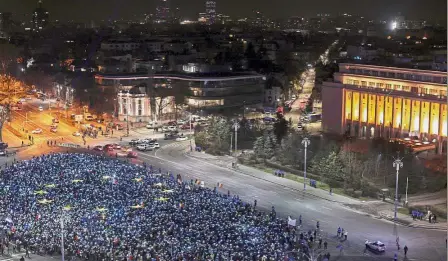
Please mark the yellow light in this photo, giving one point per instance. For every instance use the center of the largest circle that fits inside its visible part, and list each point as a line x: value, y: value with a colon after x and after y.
x: 444, y: 128
x: 426, y: 124
x: 381, y: 117
x: 364, y: 116
x: 416, y: 123
x: 434, y: 127
x: 398, y: 120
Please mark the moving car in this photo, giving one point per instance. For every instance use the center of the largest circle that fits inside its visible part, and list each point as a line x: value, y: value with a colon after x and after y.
x: 169, y: 136
x: 54, y: 129
x: 375, y: 246
x: 76, y: 134
x: 41, y: 108
x: 98, y: 148
x: 116, y: 146
x: 2, y: 152
x: 134, y: 142
x: 156, y: 145
x: 55, y: 120
x: 145, y: 147
x: 37, y: 131
x: 181, y: 138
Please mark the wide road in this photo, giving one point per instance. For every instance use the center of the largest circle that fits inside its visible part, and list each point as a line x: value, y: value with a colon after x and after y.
x: 423, y: 244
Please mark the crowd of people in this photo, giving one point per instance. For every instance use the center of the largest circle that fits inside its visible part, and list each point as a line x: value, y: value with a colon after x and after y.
x: 110, y: 210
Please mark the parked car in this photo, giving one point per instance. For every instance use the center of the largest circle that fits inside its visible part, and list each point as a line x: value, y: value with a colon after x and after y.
x: 41, y: 108
x: 172, y: 123
x: 151, y: 125
x: 109, y: 147
x: 98, y: 148
x: 172, y: 128
x: 186, y: 127
x: 132, y: 155
x: 375, y: 246
x: 76, y: 134
x: 165, y: 129
x: 2, y: 152
x: 54, y: 129
x: 116, y: 146
x: 156, y: 145
x: 181, y: 122
x: 55, y: 120
x: 37, y: 131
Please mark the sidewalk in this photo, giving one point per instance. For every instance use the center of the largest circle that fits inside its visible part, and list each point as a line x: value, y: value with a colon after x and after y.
x: 226, y: 161
x: 378, y: 209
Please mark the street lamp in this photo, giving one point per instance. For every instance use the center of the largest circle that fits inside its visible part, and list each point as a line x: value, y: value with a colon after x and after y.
x: 397, y: 165
x: 305, y: 143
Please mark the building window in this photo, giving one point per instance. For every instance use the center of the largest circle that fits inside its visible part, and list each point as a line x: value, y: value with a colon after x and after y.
x: 371, y: 84
x: 391, y: 74
x: 350, y: 81
x: 356, y: 82
x: 397, y: 87
x: 363, y: 83
x: 388, y: 86
x: 433, y: 91
x: 443, y: 93
x: 406, y: 88
x: 375, y: 73
x: 424, y: 90
x: 438, y: 79
x: 444, y: 79
x: 383, y: 74
x: 379, y: 85
x: 414, y: 89
x: 367, y: 72
x: 400, y: 75
x: 427, y: 78
x: 352, y: 70
x: 358, y: 71
x: 140, y: 112
x: 408, y: 76
x: 418, y: 77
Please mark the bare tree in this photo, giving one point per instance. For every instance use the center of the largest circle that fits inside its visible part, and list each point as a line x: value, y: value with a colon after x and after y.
x: 10, y: 88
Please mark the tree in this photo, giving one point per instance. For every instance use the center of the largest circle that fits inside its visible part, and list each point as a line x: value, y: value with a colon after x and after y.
x: 259, y: 147
x: 9, y: 86
x: 270, y: 145
x: 215, y: 137
x: 291, y: 150
x: 280, y: 128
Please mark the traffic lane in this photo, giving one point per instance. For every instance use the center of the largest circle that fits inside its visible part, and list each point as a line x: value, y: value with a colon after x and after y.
x: 331, y: 214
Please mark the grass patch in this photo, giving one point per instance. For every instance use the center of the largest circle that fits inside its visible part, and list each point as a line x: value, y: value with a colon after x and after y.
x: 300, y: 179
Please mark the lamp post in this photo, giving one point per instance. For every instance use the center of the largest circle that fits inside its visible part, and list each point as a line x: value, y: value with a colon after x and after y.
x: 62, y: 236
x: 397, y: 165
x: 305, y: 143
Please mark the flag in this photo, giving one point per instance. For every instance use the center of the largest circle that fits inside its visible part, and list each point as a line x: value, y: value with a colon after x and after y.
x: 168, y: 191
x: 291, y: 222
x: 8, y: 219
x: 38, y: 216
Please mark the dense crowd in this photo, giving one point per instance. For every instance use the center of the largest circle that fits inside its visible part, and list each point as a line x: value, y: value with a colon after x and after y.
x: 112, y: 210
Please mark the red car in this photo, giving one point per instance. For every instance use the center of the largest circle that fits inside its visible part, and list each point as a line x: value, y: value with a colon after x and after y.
x: 186, y: 127
x: 172, y: 123
x: 109, y: 147
x: 132, y: 155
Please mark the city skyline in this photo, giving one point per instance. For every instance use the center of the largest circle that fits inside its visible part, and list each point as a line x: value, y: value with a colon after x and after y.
x: 84, y: 11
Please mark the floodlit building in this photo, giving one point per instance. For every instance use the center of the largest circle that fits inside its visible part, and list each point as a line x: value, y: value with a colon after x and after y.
x: 377, y: 101
x: 207, y: 91
x: 210, y: 11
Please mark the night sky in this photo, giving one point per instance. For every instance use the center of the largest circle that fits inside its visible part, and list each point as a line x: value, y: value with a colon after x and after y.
x: 86, y: 10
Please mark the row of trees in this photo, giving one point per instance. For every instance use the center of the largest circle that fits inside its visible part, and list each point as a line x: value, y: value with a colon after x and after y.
x: 336, y: 164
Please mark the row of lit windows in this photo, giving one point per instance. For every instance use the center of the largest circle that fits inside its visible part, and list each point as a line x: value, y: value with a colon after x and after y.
x: 417, y: 90
x: 405, y: 76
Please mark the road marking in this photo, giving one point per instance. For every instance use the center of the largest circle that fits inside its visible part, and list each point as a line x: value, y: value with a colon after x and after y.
x: 327, y: 208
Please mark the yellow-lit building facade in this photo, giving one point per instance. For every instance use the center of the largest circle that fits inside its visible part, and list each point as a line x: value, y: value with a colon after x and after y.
x: 376, y: 101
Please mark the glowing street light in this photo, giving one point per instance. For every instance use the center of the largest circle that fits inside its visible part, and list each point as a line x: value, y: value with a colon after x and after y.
x: 397, y: 164
x: 305, y: 142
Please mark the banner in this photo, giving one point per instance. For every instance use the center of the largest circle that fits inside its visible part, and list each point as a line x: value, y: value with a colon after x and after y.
x: 291, y: 222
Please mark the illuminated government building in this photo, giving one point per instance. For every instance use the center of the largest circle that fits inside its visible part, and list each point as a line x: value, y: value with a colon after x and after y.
x: 376, y: 101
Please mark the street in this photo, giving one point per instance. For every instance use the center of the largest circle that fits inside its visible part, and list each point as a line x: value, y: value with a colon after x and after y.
x: 422, y: 244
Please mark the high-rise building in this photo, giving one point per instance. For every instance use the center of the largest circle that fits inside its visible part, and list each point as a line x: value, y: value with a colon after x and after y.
x: 5, y: 21
x: 162, y: 12
x: 210, y: 11
x: 40, y: 18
